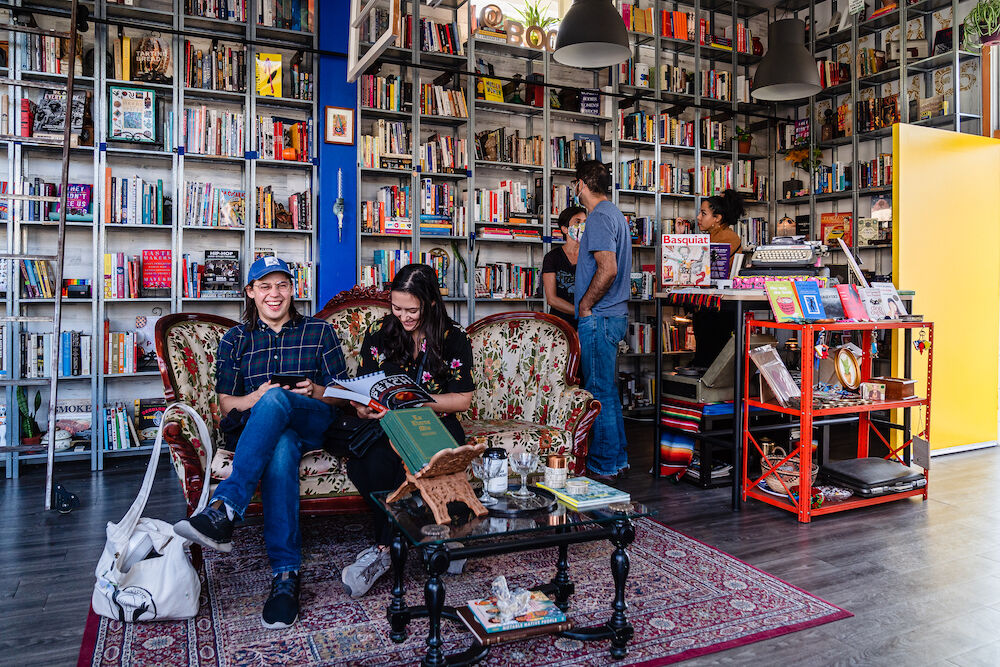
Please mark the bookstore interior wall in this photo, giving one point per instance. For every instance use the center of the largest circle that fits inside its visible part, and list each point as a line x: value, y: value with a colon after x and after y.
x: 195, y: 155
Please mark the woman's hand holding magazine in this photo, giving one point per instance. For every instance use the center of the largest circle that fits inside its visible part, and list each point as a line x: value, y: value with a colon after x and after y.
x: 376, y: 393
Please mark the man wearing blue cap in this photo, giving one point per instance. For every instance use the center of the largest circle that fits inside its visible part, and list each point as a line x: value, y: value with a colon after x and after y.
x: 282, y: 421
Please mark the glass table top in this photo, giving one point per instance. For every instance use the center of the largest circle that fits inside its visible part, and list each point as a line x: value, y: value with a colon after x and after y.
x: 415, y: 520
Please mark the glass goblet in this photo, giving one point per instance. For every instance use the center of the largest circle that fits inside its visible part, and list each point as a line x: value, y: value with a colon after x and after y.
x: 523, y: 463
x: 484, y: 470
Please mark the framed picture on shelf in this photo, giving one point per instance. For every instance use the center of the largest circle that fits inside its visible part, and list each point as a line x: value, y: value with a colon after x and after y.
x: 132, y: 115
x: 339, y: 126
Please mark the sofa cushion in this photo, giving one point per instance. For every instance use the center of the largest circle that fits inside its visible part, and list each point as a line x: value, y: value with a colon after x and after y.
x: 351, y: 323
x: 514, y: 434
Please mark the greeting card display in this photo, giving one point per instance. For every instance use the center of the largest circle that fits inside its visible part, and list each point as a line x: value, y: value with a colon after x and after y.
x: 685, y: 260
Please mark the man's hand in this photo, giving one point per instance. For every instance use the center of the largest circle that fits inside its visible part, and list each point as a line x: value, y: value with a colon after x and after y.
x: 263, y: 389
x: 365, y: 412
x: 586, y: 313
x: 306, y: 388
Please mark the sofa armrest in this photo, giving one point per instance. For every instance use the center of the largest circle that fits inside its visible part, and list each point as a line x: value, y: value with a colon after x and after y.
x: 187, y: 455
x: 575, y: 410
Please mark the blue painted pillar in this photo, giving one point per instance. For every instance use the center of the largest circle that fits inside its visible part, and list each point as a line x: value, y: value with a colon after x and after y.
x: 335, y: 261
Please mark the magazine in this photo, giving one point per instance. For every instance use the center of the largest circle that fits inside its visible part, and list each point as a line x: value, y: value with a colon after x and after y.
x: 685, y: 260
x: 381, y: 392
x: 541, y: 611
x: 229, y: 207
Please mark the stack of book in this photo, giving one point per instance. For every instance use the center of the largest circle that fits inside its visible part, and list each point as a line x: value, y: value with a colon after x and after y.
x: 482, y: 617
x: 119, y: 351
x: 595, y: 495
x: 507, y: 280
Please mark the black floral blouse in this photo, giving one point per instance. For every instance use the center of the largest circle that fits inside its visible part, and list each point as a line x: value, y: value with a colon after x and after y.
x: 454, y: 378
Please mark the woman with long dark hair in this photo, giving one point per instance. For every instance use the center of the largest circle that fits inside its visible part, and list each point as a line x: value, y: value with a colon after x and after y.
x: 417, y: 339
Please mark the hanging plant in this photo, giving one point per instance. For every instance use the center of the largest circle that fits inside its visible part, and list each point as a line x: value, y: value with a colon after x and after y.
x: 982, y: 25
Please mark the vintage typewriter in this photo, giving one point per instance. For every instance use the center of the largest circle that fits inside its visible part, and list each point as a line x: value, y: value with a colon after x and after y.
x: 785, y: 255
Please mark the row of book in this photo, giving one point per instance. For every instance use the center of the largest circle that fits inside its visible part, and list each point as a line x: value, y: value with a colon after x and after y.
x: 507, y: 280
x: 385, y: 264
x: 37, y: 279
x: 642, y: 229
x: 227, y: 10
x: 217, y: 276
x: 74, y: 349
x: 641, y: 337
x: 78, y: 199
x: 208, y: 205
x: 130, y: 200
x: 120, y: 354
x: 441, y: 101
x: 434, y: 36
x: 213, y: 132
x: 753, y: 231
x: 875, y: 173
x: 444, y: 154
x: 274, y: 215
x: 122, y: 276
x: 678, y: 226
x: 41, y: 53
x: 284, y: 139
x: 877, y: 113
x: 500, y: 145
x: 512, y: 232
x: 870, y: 61
x: 834, y: 177
x: 832, y: 73
x: 119, y: 430
x: 635, y: 389
x: 437, y: 199
x: 286, y: 14
x: 644, y: 126
x: 567, y: 153
x: 642, y: 285
x: 389, y: 138
x: 740, y: 176
x: 562, y: 197
x: 677, y: 334
x: 222, y: 67
x: 672, y: 78
x: 498, y: 205
x: 681, y: 25
x: 388, y: 93
x: 384, y: 214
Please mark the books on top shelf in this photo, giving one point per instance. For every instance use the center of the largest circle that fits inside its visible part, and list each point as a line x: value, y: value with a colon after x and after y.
x: 286, y: 14
x: 595, y: 495
x: 227, y: 10
x: 75, y: 348
x: 213, y: 132
x: 284, y: 138
x: 222, y: 67
x: 267, y: 74
x: 207, y: 205
x: 272, y: 214
x: 45, y: 54
x: 129, y: 200
x: 434, y: 36
x: 541, y: 611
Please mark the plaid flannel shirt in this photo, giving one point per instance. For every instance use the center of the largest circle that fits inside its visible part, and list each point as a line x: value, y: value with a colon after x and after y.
x: 249, y: 355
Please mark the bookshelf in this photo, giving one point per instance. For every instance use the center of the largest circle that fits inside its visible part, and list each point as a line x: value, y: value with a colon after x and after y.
x: 926, y: 71
x: 174, y: 160
x: 545, y: 181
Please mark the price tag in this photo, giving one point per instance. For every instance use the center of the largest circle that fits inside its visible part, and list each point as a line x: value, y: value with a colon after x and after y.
x: 856, y: 6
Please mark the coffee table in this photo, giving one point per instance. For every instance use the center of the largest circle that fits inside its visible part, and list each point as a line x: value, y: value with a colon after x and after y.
x: 490, y: 536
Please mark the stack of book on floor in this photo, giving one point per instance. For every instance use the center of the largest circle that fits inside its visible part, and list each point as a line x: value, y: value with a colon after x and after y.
x: 720, y: 470
x: 595, y: 495
x: 483, y: 618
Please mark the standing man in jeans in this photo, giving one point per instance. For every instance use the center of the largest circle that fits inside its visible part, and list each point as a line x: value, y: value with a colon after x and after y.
x: 283, y: 423
x: 602, y: 293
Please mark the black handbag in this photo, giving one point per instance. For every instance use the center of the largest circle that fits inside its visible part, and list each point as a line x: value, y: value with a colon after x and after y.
x: 232, y: 426
x: 350, y: 435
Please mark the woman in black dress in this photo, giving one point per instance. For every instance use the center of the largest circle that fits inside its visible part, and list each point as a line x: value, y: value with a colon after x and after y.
x: 417, y: 339
x: 559, y: 265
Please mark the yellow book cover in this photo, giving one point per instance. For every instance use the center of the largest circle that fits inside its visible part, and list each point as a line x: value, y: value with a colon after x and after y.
x: 492, y: 90
x: 126, y: 58
x: 269, y: 74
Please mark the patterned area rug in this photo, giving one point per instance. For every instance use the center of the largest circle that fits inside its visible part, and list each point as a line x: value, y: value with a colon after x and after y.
x: 685, y: 599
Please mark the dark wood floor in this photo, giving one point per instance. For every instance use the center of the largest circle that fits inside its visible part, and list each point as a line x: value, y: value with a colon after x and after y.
x: 922, y: 578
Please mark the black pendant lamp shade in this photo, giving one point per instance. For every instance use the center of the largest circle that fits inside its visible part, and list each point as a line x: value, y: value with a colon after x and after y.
x: 592, y: 34
x: 787, y: 71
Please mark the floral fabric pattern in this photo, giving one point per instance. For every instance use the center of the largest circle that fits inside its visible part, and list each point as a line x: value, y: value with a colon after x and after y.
x: 512, y: 434
x: 351, y: 325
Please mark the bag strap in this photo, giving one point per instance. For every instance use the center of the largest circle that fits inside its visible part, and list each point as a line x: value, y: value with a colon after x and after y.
x: 126, y: 526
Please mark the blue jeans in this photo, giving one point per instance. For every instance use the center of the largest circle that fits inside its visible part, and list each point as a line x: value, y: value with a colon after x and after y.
x: 599, y: 337
x: 282, y: 426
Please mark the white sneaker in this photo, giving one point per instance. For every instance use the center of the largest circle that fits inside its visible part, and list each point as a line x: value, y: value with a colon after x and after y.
x: 361, y: 575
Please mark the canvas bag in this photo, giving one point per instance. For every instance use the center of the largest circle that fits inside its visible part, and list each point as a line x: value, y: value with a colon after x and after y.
x: 133, y: 587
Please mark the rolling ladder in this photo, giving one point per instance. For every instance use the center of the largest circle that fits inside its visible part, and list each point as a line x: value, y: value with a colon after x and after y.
x: 14, y: 253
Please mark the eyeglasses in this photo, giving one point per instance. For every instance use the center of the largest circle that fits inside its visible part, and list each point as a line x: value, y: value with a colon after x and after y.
x: 282, y: 287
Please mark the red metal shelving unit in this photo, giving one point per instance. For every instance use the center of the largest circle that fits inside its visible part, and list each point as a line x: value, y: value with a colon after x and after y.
x: 802, y: 505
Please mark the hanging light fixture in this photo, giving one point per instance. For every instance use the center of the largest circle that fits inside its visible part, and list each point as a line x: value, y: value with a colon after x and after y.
x: 787, y: 71
x: 592, y: 34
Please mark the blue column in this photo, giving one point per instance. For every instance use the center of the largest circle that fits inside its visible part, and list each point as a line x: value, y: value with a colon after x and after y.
x: 335, y: 261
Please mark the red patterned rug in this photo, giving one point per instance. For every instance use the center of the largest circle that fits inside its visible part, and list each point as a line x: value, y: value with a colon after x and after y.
x: 685, y: 599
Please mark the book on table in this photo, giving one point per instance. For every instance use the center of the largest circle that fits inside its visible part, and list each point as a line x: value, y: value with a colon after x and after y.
x: 596, y: 495
x: 381, y: 392
x: 417, y: 435
x: 541, y: 611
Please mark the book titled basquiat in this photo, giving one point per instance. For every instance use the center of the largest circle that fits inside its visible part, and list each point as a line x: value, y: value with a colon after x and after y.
x: 222, y: 273
x: 379, y: 391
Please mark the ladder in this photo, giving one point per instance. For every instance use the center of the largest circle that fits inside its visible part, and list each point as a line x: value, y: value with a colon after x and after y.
x: 12, y: 259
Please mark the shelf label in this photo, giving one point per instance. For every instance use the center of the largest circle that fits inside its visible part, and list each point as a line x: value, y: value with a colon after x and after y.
x: 250, y: 155
x: 180, y: 150
x: 102, y: 146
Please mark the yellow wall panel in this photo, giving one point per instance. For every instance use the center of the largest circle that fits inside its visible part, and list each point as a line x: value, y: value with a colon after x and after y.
x: 946, y: 247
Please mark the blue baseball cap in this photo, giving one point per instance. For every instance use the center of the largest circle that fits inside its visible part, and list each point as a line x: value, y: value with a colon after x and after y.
x: 266, y: 265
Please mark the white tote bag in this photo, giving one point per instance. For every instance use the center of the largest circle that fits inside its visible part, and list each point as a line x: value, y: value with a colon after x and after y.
x: 144, y: 573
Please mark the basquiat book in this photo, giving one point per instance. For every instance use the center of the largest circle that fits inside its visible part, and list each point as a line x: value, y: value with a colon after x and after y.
x: 685, y: 259
x: 229, y: 208
x: 784, y: 302
x: 853, y: 308
x: 222, y: 272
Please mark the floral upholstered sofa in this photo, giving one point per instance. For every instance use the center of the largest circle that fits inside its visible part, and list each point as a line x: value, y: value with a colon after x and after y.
x: 526, y: 392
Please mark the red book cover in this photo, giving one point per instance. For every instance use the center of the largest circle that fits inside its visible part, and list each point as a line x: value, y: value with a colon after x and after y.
x: 853, y: 308
x: 156, y: 267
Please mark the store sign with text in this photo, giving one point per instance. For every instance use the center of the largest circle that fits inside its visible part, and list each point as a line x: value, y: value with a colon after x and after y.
x: 494, y: 27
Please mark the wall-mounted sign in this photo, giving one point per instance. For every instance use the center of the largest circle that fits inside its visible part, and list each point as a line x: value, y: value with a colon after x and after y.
x: 492, y: 26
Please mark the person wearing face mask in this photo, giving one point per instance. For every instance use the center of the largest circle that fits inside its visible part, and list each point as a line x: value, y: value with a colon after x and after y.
x: 419, y: 340
x: 602, y: 292
x: 559, y: 265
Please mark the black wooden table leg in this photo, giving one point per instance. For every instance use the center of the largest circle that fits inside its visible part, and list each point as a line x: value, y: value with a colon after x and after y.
x: 436, y: 560
x: 621, y: 536
x: 399, y: 614
x: 563, y: 585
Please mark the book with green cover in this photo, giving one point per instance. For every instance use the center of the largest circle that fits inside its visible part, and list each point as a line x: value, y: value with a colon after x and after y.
x: 596, y: 495
x: 417, y: 435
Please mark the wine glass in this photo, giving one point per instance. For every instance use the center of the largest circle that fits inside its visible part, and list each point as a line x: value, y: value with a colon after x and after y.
x: 485, y: 470
x: 523, y: 463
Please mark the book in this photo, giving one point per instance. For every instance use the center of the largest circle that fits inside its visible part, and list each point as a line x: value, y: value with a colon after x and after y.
x: 830, y: 299
x: 379, y: 391
x: 268, y: 74
x: 596, y: 495
x: 148, y: 413
x: 833, y: 226
x: 485, y: 638
x: 74, y: 415
x: 685, y: 259
x: 871, y: 298
x: 781, y: 294
x: 720, y: 254
x: 417, y: 435
x: 541, y: 611
x: 894, y: 306
x: 157, y: 268
x: 492, y: 90
x: 222, y: 271
x: 50, y: 114
x: 229, y: 208
x: 152, y: 60
x: 810, y: 300
x: 853, y: 308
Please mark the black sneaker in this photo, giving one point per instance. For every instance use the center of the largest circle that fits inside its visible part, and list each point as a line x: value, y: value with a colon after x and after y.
x: 210, y: 528
x: 282, y: 607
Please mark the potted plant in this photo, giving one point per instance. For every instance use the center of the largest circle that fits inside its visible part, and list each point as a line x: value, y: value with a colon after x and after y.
x: 982, y: 25
x: 31, y: 434
x: 744, y: 139
x: 534, y: 14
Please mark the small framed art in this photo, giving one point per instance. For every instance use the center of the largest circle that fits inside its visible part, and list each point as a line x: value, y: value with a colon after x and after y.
x: 133, y: 115
x: 339, y: 126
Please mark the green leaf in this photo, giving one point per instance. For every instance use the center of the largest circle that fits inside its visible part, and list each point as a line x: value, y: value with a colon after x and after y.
x: 38, y: 402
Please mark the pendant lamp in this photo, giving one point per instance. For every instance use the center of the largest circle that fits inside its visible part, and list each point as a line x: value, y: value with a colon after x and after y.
x: 592, y: 34
x: 787, y: 71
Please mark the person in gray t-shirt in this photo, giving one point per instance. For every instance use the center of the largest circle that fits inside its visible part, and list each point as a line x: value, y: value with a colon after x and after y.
x: 602, y: 293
